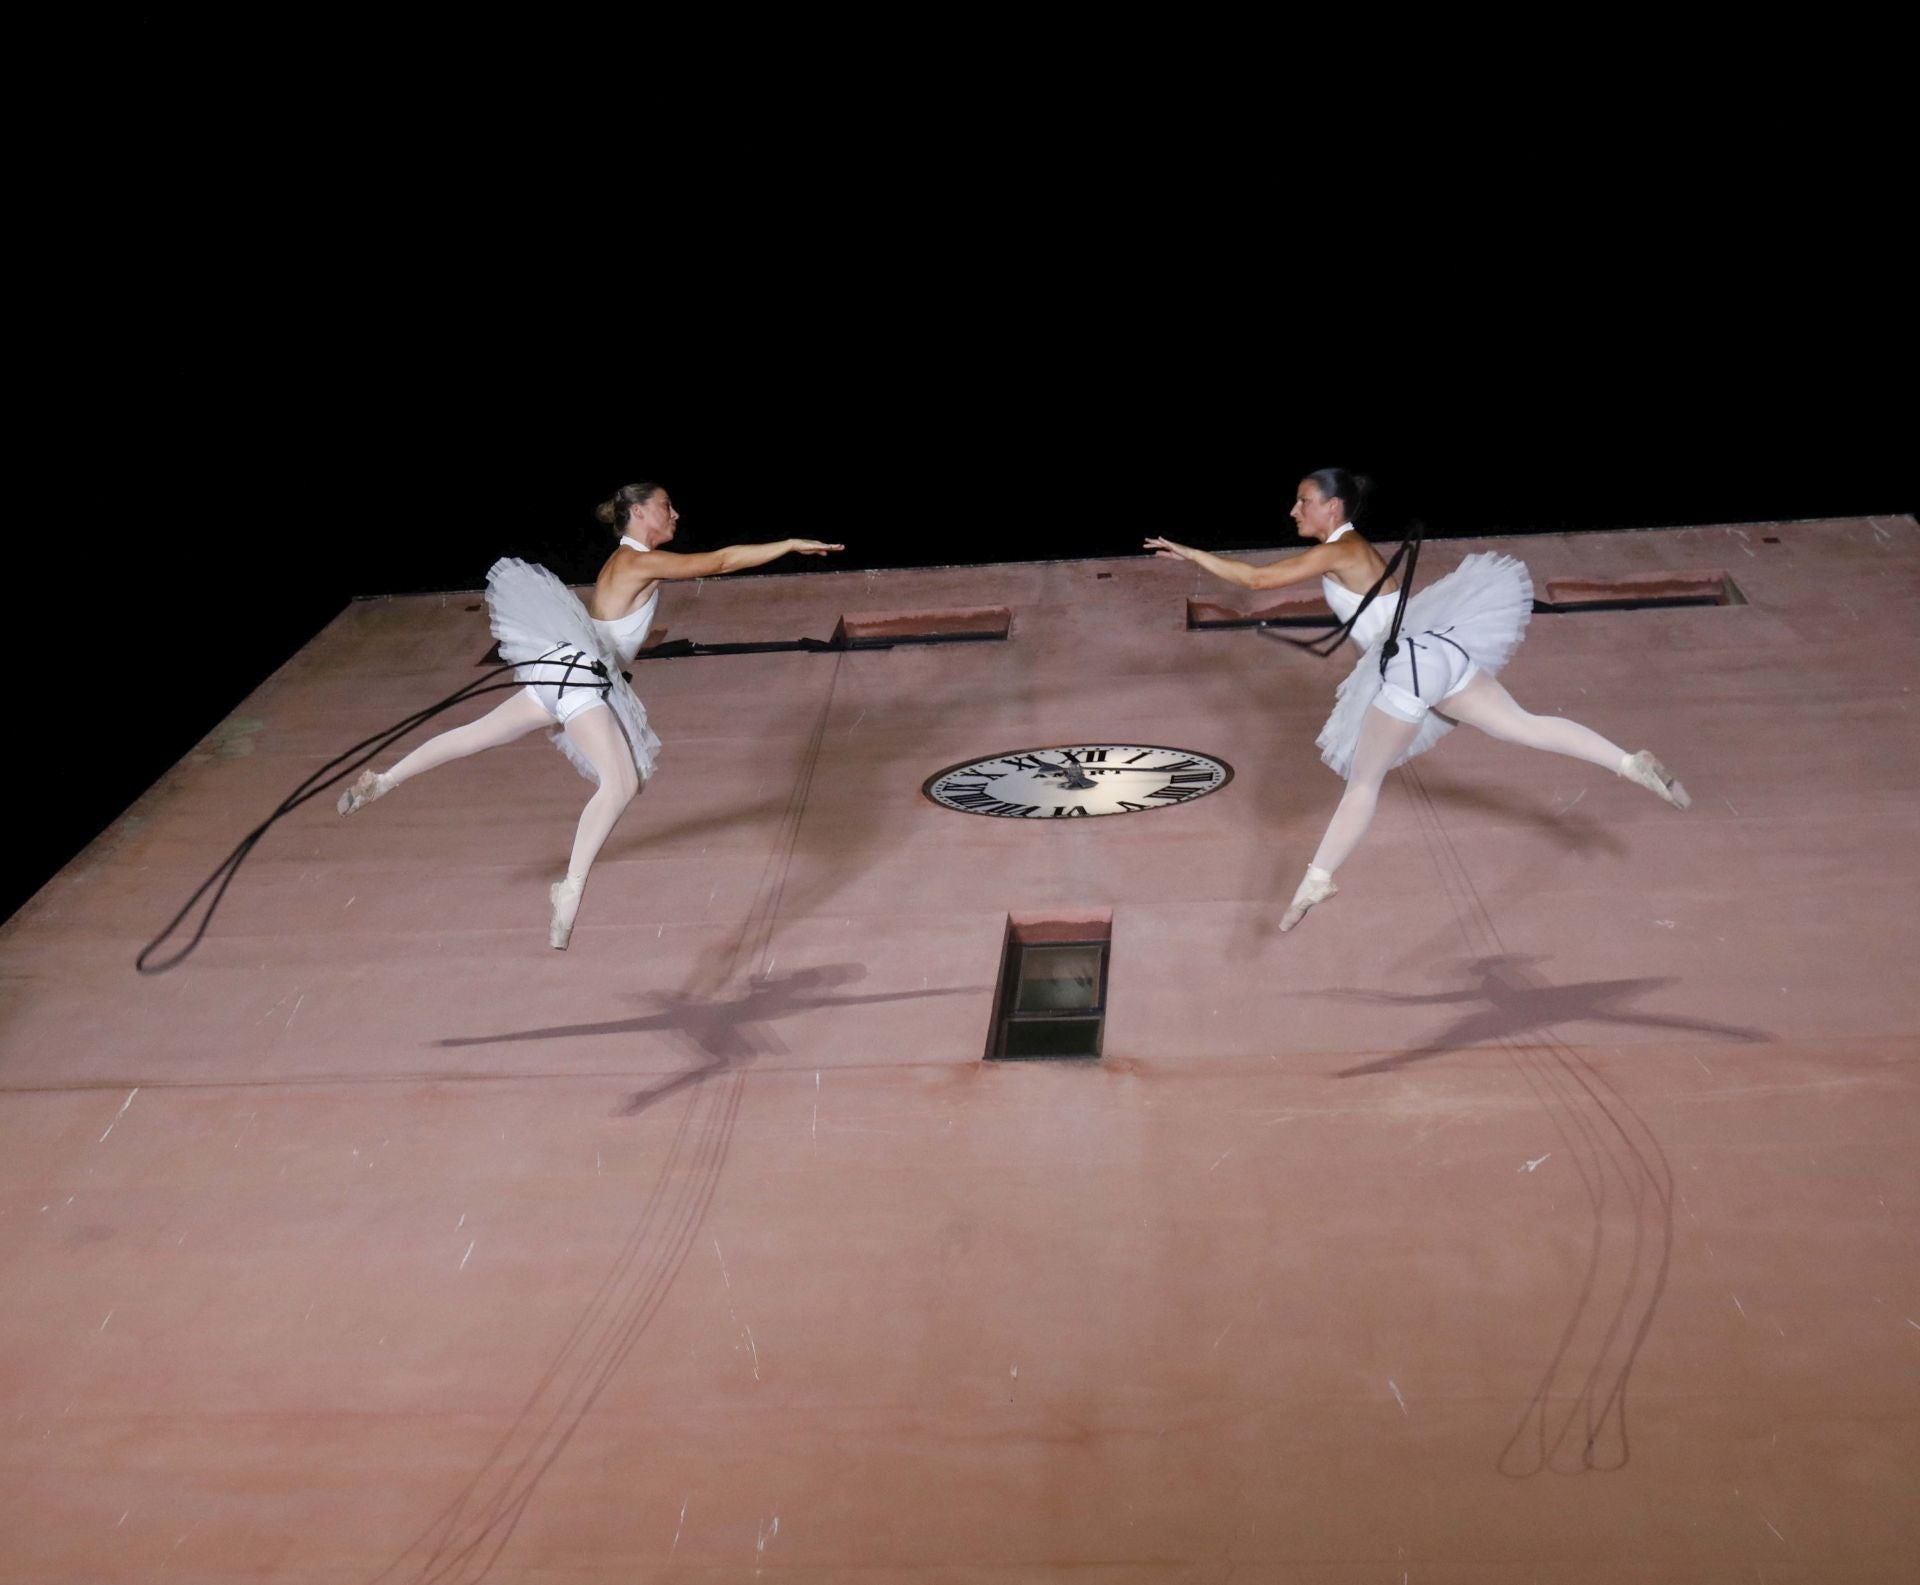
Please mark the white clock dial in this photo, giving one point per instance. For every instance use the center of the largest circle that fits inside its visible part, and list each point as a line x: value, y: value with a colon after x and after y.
x: 1078, y: 779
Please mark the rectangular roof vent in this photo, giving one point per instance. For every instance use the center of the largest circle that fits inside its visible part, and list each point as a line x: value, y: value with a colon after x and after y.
x: 1304, y: 609
x: 1639, y: 591
x: 970, y: 624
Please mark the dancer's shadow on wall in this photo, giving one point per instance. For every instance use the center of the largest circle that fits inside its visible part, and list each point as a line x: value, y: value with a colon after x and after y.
x: 727, y: 1031
x: 723, y: 1031
x: 1576, y: 1419
x: 1512, y: 1002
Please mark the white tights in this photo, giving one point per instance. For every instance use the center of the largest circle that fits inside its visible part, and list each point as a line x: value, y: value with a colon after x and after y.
x: 1483, y: 703
x: 596, y: 733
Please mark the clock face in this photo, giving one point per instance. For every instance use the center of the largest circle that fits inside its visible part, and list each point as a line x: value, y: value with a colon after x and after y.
x: 1082, y: 779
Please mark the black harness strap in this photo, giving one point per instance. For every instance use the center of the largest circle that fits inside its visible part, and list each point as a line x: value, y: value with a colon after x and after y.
x: 1414, y: 646
x: 1326, y: 643
x: 574, y: 660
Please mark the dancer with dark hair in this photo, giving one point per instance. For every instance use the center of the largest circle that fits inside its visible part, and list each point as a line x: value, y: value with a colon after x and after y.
x: 1410, y: 689
x: 570, y: 658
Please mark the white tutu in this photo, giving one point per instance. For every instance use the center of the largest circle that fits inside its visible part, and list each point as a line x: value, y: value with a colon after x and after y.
x: 532, y: 613
x: 1482, y: 607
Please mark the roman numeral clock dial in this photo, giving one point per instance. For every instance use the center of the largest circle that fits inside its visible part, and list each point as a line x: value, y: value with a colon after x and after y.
x: 1078, y: 781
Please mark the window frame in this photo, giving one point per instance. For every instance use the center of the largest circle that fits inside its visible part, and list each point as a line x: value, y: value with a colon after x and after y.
x: 1021, y: 940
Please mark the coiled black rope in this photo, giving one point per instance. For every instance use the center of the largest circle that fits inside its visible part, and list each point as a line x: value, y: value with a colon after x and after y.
x: 1324, y: 644
x: 338, y: 769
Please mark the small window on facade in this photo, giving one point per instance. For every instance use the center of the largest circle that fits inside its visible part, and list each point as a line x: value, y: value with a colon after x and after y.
x: 1053, y: 990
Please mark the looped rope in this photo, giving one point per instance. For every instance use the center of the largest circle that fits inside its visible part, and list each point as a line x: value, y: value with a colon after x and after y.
x: 337, y: 770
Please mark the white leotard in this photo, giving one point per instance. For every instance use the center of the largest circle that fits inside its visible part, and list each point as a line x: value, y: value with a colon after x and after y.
x: 1344, y: 602
x: 624, y: 635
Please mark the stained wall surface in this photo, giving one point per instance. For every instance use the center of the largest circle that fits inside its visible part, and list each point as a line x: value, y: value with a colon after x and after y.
x: 1543, y: 1208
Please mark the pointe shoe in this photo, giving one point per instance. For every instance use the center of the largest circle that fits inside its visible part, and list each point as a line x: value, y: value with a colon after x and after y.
x: 370, y: 786
x: 565, y: 897
x: 1316, y: 887
x: 1646, y: 771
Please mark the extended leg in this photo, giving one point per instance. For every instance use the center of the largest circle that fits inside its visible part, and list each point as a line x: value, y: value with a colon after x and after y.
x: 518, y: 716
x: 1483, y: 703
x: 1382, y: 739
x: 596, y: 733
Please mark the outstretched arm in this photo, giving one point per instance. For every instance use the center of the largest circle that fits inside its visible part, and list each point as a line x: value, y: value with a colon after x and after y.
x: 675, y: 568
x: 1243, y: 574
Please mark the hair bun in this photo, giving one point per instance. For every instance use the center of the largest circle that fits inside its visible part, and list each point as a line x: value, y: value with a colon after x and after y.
x: 608, y: 512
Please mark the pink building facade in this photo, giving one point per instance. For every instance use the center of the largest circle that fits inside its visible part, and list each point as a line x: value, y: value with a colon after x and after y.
x: 1542, y: 1208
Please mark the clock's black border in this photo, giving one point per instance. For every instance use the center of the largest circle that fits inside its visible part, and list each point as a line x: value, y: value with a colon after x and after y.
x: 1050, y: 748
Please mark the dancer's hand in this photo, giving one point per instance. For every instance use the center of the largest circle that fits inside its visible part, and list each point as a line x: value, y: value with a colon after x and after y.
x: 1168, y: 549
x: 811, y: 547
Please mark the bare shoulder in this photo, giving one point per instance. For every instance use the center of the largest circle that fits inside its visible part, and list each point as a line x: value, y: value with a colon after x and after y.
x: 624, y: 581
x: 1360, y: 565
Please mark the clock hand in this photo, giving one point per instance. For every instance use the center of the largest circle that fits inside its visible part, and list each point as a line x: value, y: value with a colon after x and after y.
x: 1076, y: 775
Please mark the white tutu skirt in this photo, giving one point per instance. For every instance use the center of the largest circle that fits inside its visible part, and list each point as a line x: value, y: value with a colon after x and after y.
x: 1481, y: 607
x: 533, y: 613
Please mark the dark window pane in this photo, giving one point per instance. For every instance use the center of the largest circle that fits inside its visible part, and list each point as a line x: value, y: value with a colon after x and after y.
x: 1057, y: 978
x: 1054, y: 1037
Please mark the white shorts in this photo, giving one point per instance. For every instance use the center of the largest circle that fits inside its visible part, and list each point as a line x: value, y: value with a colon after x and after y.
x: 1428, y: 670
x: 563, y: 684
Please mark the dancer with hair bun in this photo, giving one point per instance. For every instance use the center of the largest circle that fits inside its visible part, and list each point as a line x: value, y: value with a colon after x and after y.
x: 570, y: 658
x: 1409, y: 689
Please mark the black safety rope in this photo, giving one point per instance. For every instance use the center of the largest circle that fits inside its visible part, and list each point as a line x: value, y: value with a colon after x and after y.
x: 344, y: 765
x: 1324, y: 644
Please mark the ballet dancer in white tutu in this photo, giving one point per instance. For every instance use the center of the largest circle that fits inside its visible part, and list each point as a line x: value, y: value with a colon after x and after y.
x: 1455, y: 635
x: 570, y: 657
